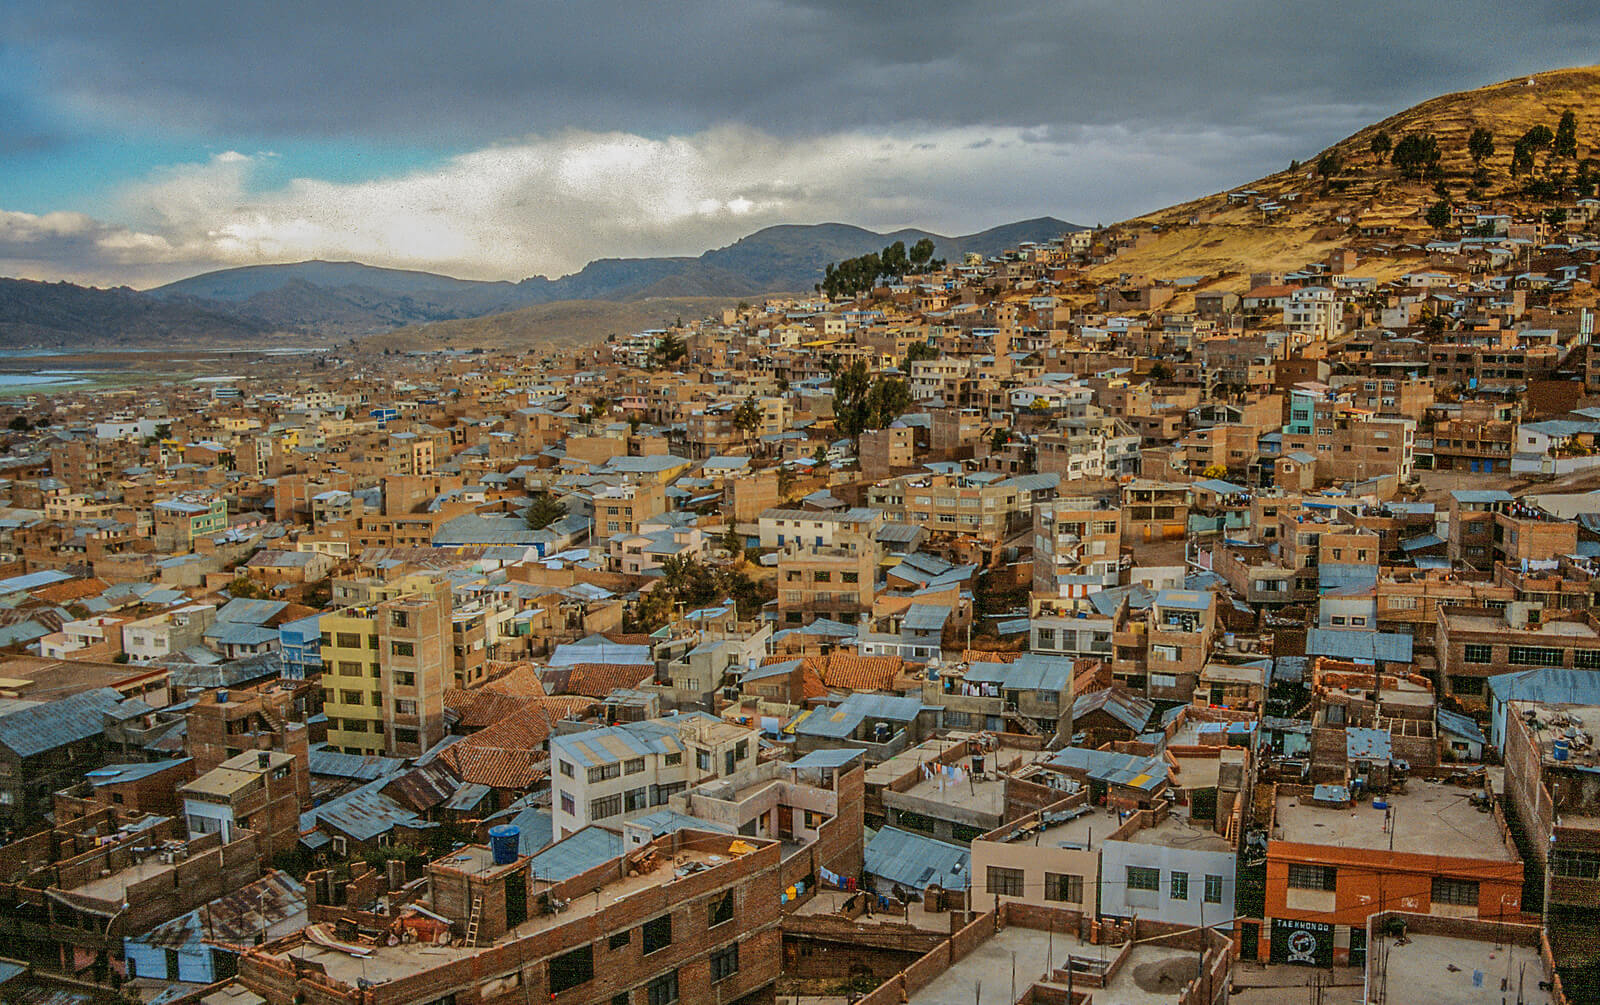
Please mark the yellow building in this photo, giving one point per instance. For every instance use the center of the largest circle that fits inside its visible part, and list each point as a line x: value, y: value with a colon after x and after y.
x: 385, y: 670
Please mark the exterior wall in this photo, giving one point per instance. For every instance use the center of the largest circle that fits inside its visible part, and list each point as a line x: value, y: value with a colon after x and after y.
x: 1159, y: 905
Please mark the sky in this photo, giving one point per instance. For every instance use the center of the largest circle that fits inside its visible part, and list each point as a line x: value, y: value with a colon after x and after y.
x: 140, y: 143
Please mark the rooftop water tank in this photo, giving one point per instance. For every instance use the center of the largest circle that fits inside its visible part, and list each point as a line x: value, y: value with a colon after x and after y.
x: 503, y: 842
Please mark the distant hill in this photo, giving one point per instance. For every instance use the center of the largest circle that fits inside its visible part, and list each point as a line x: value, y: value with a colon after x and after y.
x: 1211, y: 237
x: 346, y: 298
x: 65, y: 315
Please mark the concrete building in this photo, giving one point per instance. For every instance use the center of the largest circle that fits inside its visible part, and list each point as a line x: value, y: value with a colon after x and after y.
x: 617, y: 772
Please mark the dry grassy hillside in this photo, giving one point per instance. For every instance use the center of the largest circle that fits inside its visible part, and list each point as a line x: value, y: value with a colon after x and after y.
x: 564, y: 324
x: 1208, y: 236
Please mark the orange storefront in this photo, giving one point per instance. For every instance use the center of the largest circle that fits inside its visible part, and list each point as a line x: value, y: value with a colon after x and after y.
x: 1326, y: 893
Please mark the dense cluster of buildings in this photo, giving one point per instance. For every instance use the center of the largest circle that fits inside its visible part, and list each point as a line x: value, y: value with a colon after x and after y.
x: 1162, y: 632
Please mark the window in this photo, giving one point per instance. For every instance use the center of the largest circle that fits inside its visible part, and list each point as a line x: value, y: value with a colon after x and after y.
x: 350, y: 697
x: 663, y: 990
x: 1586, y: 659
x: 404, y: 678
x: 636, y: 799
x: 1533, y: 656
x: 1460, y: 892
x: 404, y: 706
x: 850, y: 577
x: 404, y: 735
x: 742, y: 750
x: 603, y: 772
x: 1313, y: 877
x: 673, y: 760
x: 401, y: 649
x: 633, y: 767
x: 1063, y: 887
x: 349, y: 640
x: 822, y: 577
x: 1141, y: 878
x: 1005, y: 882
x: 1575, y: 864
x: 1477, y: 653
x: 1179, y: 885
x: 702, y: 760
x: 1466, y: 685
x: 569, y: 806
x: 720, y: 910
x: 1213, y: 889
x: 571, y: 969
x: 657, y: 934
x: 567, y: 769
x: 619, y: 939
x: 354, y: 725
x: 610, y: 806
x: 724, y: 962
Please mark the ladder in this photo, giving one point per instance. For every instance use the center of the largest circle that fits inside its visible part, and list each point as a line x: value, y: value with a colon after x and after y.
x: 472, y: 922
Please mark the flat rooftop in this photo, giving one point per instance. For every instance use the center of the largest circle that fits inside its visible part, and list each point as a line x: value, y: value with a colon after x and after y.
x: 1428, y: 818
x: 1178, y: 831
x: 386, y: 963
x: 1079, y: 832
x: 983, y: 977
x: 985, y: 795
x: 828, y: 902
x: 1549, y: 629
x: 1438, y: 970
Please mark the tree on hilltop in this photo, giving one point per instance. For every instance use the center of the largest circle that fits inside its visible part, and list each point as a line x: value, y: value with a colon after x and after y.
x: 1417, y: 155
x: 1480, y: 145
x: 1566, y: 138
x: 1381, y: 145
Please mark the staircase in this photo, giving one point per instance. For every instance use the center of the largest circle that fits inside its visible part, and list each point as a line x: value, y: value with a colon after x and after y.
x: 1027, y: 724
x: 473, y: 922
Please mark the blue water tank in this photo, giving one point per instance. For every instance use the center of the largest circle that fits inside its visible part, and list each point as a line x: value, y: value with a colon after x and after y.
x: 503, y: 843
x: 1560, y: 750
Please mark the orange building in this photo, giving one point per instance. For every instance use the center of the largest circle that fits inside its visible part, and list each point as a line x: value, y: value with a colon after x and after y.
x: 1332, y: 862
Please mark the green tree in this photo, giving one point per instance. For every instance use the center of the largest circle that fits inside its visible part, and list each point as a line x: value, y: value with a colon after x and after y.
x: 733, y: 541
x: 921, y: 254
x: 20, y: 424
x: 1566, y: 138
x: 919, y: 351
x: 999, y: 439
x: 1556, y: 217
x: 747, y: 417
x: 1160, y: 372
x: 1417, y: 155
x: 1381, y: 145
x: 669, y: 349
x: 1438, y: 215
x: 1521, y: 158
x: 1480, y: 145
x: 1330, y: 163
x: 543, y: 511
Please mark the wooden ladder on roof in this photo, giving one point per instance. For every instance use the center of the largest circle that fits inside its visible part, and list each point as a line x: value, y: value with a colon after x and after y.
x: 474, y: 921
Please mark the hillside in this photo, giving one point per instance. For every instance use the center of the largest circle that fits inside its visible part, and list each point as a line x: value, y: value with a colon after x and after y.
x: 1210, y: 236
x: 348, y: 298
x: 64, y: 315
x: 561, y: 325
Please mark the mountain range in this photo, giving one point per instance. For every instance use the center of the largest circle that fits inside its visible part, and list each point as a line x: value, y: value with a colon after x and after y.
x: 348, y: 298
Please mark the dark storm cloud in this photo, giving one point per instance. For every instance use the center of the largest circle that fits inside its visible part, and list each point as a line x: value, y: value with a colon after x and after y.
x: 470, y: 72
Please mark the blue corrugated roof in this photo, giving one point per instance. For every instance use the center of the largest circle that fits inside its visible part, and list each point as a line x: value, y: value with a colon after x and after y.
x: 577, y: 853
x: 1364, y: 647
x: 917, y: 862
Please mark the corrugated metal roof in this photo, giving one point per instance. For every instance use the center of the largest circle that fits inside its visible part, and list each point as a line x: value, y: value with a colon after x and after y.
x: 917, y: 862
x: 577, y: 853
x: 1116, y: 769
x: 1363, y: 647
x: 35, y: 729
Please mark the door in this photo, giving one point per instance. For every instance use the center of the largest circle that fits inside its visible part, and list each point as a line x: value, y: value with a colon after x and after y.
x: 516, y: 899
x: 1358, y: 946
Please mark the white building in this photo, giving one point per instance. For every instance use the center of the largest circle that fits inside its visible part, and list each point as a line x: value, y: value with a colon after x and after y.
x: 610, y: 774
x: 1176, y: 872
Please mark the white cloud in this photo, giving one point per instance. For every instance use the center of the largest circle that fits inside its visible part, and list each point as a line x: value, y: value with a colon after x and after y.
x: 550, y: 204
